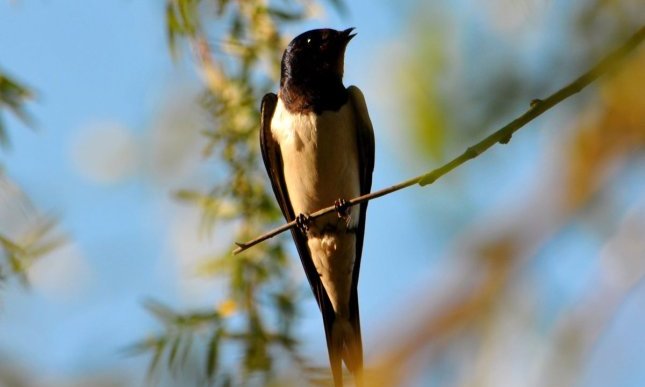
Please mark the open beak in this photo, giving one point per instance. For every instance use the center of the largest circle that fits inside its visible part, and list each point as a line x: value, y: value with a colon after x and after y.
x: 348, y: 35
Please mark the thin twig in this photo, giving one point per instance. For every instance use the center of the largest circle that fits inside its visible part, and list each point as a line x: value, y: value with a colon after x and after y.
x: 502, y: 136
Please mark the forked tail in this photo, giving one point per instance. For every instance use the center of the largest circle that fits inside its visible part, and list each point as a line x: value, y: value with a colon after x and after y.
x: 345, y: 345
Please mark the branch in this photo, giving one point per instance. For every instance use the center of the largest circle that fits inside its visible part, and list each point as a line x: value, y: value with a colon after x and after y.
x: 502, y: 136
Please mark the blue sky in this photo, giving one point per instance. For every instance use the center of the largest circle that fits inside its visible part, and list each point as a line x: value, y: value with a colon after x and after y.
x: 103, y: 68
x: 89, y: 62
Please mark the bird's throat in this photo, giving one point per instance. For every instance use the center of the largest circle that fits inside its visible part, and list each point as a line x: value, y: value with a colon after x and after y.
x: 316, y: 95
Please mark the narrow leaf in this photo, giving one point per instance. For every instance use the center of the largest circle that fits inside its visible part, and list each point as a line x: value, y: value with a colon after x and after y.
x: 213, y: 354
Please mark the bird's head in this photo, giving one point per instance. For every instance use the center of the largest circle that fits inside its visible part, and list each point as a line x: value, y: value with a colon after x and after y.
x: 316, y: 54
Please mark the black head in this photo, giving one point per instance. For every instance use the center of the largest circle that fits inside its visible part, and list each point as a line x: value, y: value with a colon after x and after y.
x: 316, y: 54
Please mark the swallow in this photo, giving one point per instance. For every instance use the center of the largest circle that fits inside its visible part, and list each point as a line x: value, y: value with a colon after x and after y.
x: 317, y: 145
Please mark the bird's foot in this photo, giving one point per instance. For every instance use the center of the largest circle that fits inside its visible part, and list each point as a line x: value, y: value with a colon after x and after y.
x: 303, y: 221
x: 342, y: 208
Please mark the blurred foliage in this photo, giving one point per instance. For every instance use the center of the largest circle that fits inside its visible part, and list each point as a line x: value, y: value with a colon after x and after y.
x: 499, y: 326
x: 240, y: 341
x: 237, y: 47
x: 461, y: 80
x: 25, y: 235
x: 19, y: 248
x: 19, y: 254
x: 13, y: 97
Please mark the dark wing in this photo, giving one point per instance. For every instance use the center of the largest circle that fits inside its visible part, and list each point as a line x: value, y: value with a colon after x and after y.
x: 365, y: 143
x: 273, y: 163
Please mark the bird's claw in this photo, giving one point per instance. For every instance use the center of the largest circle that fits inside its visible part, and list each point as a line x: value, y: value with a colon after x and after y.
x: 342, y: 208
x: 303, y: 221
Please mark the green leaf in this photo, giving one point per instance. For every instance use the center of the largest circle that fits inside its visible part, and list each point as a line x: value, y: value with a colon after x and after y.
x: 160, y: 311
x: 143, y: 346
x: 188, y: 14
x: 11, y: 247
x: 4, y: 137
x: 212, y: 359
x: 13, y: 96
x: 174, y: 347
x: 188, y: 343
x: 172, y: 29
x: 158, y: 353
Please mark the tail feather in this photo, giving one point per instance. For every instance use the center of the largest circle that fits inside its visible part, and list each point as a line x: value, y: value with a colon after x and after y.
x: 344, y: 344
x: 343, y: 335
x: 354, y: 358
x: 335, y: 359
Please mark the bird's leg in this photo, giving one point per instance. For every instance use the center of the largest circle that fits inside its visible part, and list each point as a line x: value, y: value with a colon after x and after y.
x: 303, y: 221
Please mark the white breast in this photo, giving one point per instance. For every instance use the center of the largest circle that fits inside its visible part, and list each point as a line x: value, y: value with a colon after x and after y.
x: 320, y: 156
x: 320, y: 159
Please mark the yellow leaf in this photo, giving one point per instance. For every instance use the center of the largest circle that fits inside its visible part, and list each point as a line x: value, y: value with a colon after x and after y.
x: 227, y: 308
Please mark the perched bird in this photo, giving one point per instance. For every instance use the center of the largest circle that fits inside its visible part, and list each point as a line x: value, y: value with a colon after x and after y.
x: 318, y: 148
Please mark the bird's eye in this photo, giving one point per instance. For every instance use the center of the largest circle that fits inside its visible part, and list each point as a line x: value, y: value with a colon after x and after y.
x: 308, y: 40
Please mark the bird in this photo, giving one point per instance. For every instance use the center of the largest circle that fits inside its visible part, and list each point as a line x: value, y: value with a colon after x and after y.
x: 317, y: 144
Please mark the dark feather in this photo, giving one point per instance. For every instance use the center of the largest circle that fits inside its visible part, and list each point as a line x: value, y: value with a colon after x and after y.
x: 313, y: 95
x: 365, y: 143
x: 311, y: 73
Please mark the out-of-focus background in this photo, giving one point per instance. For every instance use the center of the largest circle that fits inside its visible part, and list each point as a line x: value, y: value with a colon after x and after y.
x: 130, y: 164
